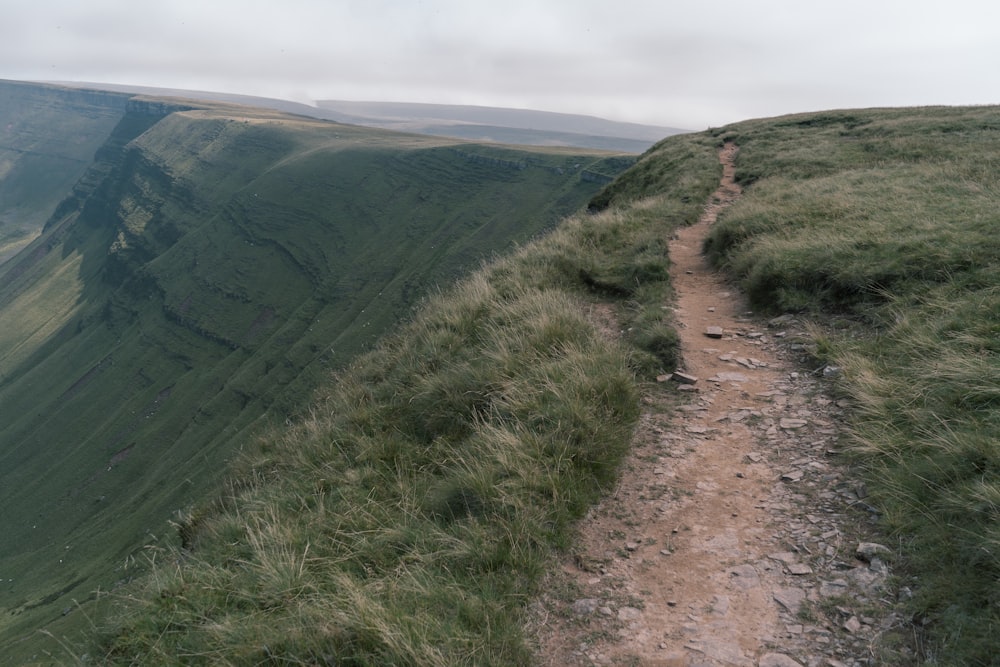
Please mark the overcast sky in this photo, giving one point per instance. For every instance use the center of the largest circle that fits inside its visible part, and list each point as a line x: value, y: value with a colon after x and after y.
x: 681, y: 63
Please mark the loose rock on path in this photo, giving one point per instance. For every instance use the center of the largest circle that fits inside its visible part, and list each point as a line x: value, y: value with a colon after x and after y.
x: 733, y: 537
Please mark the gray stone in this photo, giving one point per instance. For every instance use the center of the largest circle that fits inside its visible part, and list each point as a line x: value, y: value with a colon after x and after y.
x: 684, y: 378
x: 739, y: 415
x: 866, y: 551
x: 628, y: 614
x: 799, y: 569
x: 720, y: 605
x: 790, y: 598
x: 792, y: 476
x: 865, y: 577
x: 852, y: 625
x: 777, y: 660
x: 728, y: 653
x: 879, y: 567
x: 791, y: 424
x: 781, y: 320
x: 744, y: 576
x: 729, y: 377
x: 714, y: 332
x: 832, y: 588
x: 585, y: 607
x: 786, y: 557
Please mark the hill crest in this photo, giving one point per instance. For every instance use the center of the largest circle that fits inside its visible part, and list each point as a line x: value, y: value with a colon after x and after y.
x: 474, y: 123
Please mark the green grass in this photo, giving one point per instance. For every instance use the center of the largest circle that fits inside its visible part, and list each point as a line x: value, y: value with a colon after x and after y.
x: 402, y: 521
x: 405, y: 513
x: 206, y: 274
x: 891, y: 217
x: 409, y: 518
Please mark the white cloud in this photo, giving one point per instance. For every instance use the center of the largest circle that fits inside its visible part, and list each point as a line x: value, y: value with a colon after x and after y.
x: 671, y: 63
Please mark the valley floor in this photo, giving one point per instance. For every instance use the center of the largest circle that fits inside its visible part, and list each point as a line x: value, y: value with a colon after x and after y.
x: 735, y: 536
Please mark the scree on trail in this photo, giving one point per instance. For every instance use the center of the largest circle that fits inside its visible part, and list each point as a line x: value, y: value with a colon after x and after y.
x: 735, y: 535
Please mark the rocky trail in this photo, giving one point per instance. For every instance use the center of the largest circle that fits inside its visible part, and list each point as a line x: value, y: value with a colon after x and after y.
x: 735, y: 536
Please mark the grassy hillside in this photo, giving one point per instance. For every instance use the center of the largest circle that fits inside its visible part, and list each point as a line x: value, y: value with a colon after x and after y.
x: 408, y: 518
x: 888, y: 222
x: 406, y: 515
x: 48, y: 136
x: 207, y: 270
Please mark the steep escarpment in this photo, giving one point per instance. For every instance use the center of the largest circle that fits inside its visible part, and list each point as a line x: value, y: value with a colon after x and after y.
x: 48, y: 137
x: 177, y: 319
x: 408, y: 517
x: 206, y: 270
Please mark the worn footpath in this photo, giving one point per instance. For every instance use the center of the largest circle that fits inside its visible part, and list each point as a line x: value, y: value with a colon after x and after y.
x: 734, y: 537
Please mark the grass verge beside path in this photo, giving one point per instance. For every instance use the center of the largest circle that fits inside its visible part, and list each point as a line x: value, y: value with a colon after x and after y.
x: 889, y: 219
x: 409, y: 517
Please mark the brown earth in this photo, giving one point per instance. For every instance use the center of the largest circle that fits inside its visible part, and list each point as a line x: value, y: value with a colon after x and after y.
x: 732, y: 536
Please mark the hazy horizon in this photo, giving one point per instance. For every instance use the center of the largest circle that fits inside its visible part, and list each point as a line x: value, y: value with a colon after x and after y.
x: 665, y: 64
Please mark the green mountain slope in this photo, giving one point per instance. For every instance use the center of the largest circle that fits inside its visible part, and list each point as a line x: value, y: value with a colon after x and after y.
x: 214, y: 264
x: 209, y: 267
x: 410, y: 516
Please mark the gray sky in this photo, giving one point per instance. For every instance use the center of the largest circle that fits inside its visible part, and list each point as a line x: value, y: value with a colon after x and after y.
x: 690, y: 63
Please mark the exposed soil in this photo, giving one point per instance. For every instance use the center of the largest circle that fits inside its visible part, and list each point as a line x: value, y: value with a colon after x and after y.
x: 732, y: 538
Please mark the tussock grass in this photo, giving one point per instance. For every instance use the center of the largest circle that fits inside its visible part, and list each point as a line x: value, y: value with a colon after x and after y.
x: 416, y: 505
x: 408, y: 518
x: 891, y: 216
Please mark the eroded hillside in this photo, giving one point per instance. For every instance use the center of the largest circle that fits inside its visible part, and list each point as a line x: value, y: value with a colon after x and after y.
x: 206, y: 270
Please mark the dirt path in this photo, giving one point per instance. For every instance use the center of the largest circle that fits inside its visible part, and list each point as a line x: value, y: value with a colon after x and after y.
x: 732, y: 537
